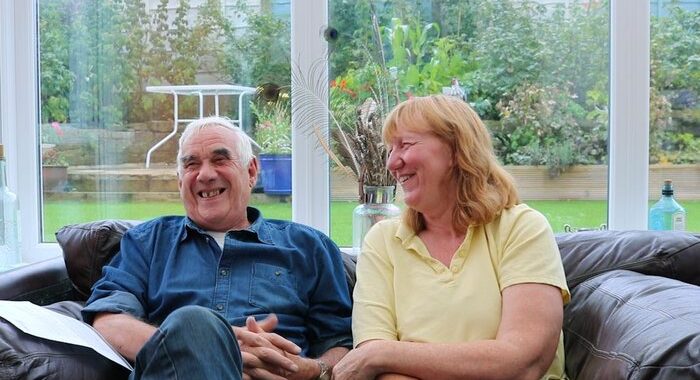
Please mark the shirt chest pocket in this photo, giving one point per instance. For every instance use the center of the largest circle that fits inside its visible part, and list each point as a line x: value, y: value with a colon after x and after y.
x: 274, y: 289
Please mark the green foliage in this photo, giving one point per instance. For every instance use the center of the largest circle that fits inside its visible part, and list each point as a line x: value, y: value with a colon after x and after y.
x: 97, y: 57
x: 507, y: 48
x: 422, y: 61
x: 56, y: 77
x: 273, y: 127
x: 675, y: 50
x: 520, y: 43
x: 53, y: 157
x: 138, y: 105
x: 456, y: 18
x: 675, y: 76
x: 546, y: 126
x: 260, y: 53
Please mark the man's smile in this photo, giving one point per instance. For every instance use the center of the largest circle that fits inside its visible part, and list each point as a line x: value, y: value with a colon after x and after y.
x: 211, y: 193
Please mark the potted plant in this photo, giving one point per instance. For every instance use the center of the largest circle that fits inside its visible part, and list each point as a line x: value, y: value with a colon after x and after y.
x: 54, y: 169
x: 273, y: 132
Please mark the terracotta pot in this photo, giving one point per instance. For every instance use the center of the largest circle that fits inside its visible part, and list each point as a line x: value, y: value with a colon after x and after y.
x: 55, y: 177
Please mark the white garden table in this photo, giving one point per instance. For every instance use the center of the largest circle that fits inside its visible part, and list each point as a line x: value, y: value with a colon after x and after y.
x: 200, y: 91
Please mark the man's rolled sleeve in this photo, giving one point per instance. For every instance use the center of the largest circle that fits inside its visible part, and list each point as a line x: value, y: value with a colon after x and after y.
x: 122, y: 287
x: 118, y: 302
x: 330, y: 308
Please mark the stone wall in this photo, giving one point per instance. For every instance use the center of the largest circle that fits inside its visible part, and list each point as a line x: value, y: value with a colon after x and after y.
x: 92, y: 146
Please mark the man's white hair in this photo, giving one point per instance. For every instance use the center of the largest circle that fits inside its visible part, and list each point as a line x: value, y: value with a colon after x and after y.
x: 243, y: 143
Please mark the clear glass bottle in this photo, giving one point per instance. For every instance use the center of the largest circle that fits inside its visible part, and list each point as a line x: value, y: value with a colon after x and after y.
x: 9, y: 223
x: 667, y: 214
x: 378, y: 205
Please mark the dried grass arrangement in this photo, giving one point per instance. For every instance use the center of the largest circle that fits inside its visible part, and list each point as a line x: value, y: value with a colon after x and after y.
x: 358, y: 144
x: 355, y: 144
x: 363, y: 146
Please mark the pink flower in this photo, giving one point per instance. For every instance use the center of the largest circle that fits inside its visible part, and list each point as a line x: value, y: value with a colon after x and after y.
x: 57, y: 128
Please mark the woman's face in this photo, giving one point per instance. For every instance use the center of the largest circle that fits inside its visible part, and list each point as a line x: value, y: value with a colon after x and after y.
x: 422, y: 165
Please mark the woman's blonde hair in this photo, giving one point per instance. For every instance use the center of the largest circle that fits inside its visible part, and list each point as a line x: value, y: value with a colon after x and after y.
x: 485, y: 188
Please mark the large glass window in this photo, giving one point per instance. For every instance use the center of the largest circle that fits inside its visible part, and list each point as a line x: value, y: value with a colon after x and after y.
x: 548, y: 59
x: 674, y: 114
x: 536, y: 72
x: 120, y: 79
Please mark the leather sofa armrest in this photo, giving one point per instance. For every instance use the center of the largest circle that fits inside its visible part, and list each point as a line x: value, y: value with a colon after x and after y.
x: 42, y: 283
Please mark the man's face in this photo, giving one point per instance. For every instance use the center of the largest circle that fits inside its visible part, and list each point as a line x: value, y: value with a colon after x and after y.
x: 214, y: 184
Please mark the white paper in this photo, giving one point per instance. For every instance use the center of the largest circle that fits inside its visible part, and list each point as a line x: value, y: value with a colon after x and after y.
x: 47, y: 324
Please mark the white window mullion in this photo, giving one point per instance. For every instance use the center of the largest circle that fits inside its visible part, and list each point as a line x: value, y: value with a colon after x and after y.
x: 628, y: 175
x: 7, y: 89
x: 310, y: 175
x: 24, y: 124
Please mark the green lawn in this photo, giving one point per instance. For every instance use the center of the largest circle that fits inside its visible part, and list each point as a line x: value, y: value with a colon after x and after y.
x: 578, y: 214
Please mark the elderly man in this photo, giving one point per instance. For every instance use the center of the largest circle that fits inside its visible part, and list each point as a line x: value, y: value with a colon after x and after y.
x: 198, y: 297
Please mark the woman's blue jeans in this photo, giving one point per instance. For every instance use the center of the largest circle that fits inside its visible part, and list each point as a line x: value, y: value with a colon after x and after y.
x: 192, y: 343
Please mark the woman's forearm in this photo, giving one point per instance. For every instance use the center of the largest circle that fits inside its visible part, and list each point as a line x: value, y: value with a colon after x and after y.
x: 474, y: 360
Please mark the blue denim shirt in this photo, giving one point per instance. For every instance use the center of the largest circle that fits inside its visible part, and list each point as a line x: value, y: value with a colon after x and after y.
x: 273, y: 266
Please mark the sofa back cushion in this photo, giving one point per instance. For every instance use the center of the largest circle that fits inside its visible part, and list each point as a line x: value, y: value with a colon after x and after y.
x: 669, y: 254
x: 87, y: 247
x: 626, y: 325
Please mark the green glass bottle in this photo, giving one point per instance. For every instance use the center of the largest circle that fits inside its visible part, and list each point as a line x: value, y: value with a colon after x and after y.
x: 667, y: 214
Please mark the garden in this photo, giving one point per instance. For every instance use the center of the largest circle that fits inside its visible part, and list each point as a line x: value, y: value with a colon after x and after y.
x: 536, y: 74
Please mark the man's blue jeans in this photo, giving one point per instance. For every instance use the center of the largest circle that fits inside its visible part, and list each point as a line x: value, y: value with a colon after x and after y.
x: 192, y: 343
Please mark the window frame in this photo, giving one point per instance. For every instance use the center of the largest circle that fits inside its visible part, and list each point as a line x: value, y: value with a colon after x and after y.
x: 310, y: 169
x: 628, y: 136
x: 21, y: 102
x: 629, y: 128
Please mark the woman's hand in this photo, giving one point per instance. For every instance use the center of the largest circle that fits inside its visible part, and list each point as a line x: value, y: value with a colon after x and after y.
x: 359, y: 363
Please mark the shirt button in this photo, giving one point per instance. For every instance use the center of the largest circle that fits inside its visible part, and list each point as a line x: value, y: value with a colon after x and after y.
x: 278, y: 273
x: 219, y: 307
x: 223, y: 273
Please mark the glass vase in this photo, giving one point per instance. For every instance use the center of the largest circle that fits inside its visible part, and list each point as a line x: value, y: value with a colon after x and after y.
x: 377, y: 205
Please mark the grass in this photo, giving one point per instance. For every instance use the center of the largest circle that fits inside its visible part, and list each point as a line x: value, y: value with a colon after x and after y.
x: 578, y: 214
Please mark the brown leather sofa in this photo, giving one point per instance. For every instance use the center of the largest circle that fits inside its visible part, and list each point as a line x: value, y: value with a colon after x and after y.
x: 634, y: 314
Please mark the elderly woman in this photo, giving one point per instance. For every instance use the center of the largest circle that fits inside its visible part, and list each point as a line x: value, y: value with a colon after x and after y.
x: 468, y: 284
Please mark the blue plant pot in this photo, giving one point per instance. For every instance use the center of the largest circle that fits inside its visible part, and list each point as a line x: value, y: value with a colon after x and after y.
x: 276, y: 173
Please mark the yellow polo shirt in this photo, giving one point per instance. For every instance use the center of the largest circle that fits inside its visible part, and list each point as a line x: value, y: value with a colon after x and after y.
x: 404, y: 294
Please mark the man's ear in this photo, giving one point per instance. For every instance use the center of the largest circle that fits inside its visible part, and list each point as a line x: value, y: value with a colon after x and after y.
x: 253, y: 172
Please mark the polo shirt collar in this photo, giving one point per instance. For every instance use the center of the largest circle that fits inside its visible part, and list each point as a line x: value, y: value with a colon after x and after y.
x: 407, y: 236
x: 409, y: 239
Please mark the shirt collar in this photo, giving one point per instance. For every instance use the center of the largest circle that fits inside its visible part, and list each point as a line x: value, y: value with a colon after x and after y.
x: 405, y: 234
x: 257, y: 226
x: 409, y: 239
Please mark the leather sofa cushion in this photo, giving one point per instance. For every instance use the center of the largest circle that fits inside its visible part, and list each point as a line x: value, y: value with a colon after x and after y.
x: 660, y: 253
x: 625, y: 325
x: 24, y: 356
x: 87, y: 247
